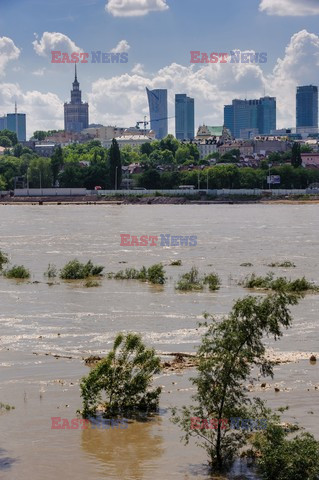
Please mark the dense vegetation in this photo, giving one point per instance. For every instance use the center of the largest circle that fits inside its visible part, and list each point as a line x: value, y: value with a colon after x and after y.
x: 154, y: 274
x: 165, y: 164
x: 17, y: 271
x: 192, y: 281
x: 279, y: 284
x: 75, y: 270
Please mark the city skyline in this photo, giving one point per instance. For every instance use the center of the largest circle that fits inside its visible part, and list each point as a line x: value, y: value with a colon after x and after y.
x: 115, y: 92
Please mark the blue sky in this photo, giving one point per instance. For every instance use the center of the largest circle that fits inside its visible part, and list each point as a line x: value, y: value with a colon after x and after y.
x: 158, y: 36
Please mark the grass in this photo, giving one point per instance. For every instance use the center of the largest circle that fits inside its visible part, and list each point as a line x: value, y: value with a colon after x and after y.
x: 154, y: 274
x: 285, y: 264
x: 3, y: 259
x: 176, y: 263
x: 17, y: 271
x: 75, y: 270
x: 279, y: 284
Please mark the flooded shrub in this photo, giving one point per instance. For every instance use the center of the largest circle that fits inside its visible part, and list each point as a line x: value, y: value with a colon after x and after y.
x: 128, y: 274
x: 89, y: 283
x: 190, y: 281
x: 285, y: 264
x: 176, y: 263
x: 3, y: 259
x: 5, y: 406
x: 154, y: 274
x: 51, y: 272
x: 246, y: 264
x: 281, y: 458
x: 121, y: 384
x: 213, y: 281
x: 75, y: 270
x: 279, y: 284
x: 18, y: 271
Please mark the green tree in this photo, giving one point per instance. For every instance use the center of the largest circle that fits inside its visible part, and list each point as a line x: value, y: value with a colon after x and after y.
x: 287, y: 459
x: 149, y: 179
x: 296, y: 155
x: 5, y: 142
x: 115, y: 165
x: 11, y: 135
x: 146, y: 148
x: 123, y: 379
x: 40, y: 135
x: 228, y: 353
x: 40, y: 173
x: 169, y: 143
x: 3, y: 183
x: 56, y: 163
x: 72, y: 175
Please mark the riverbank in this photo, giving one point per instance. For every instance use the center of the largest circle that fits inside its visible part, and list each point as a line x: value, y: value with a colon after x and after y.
x: 158, y: 200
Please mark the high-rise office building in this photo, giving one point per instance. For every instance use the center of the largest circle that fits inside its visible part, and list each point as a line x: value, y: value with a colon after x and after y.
x: 76, y: 113
x: 184, y: 117
x: 307, y: 107
x: 157, y: 100
x: 251, y: 114
x: 15, y: 122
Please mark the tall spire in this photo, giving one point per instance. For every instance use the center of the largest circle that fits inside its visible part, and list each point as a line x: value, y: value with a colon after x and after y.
x: 75, y: 75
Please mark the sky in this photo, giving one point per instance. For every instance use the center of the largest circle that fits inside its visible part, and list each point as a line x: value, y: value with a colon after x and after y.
x: 158, y: 36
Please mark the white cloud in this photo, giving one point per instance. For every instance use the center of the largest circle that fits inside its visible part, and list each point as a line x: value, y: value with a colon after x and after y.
x: 8, y: 51
x: 44, y: 110
x: 134, y: 8
x: 54, y: 41
x: 138, y: 69
x: 212, y: 85
x: 290, y: 7
x: 121, y: 47
x: 39, y: 72
x: 121, y: 100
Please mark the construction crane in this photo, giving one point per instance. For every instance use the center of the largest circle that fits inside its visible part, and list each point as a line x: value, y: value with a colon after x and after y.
x: 146, y: 123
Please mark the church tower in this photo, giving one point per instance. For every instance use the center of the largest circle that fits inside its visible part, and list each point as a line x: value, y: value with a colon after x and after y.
x: 76, y: 113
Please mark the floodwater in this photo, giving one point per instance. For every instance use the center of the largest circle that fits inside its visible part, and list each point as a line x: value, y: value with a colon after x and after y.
x: 38, y: 320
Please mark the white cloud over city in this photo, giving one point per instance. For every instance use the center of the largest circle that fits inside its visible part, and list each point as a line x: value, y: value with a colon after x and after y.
x: 8, y: 51
x: 134, y: 8
x: 51, y: 41
x: 121, y: 100
x: 290, y: 7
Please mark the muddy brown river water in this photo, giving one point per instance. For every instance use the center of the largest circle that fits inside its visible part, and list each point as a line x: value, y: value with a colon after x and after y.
x: 67, y: 319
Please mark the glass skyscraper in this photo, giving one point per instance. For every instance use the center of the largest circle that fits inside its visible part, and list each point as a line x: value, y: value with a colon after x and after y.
x: 307, y: 106
x: 76, y: 113
x: 15, y: 122
x: 184, y: 117
x: 251, y: 114
x: 157, y: 100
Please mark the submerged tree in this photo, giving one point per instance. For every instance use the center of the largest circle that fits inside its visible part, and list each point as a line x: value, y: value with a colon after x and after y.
x: 228, y: 353
x: 121, y: 384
